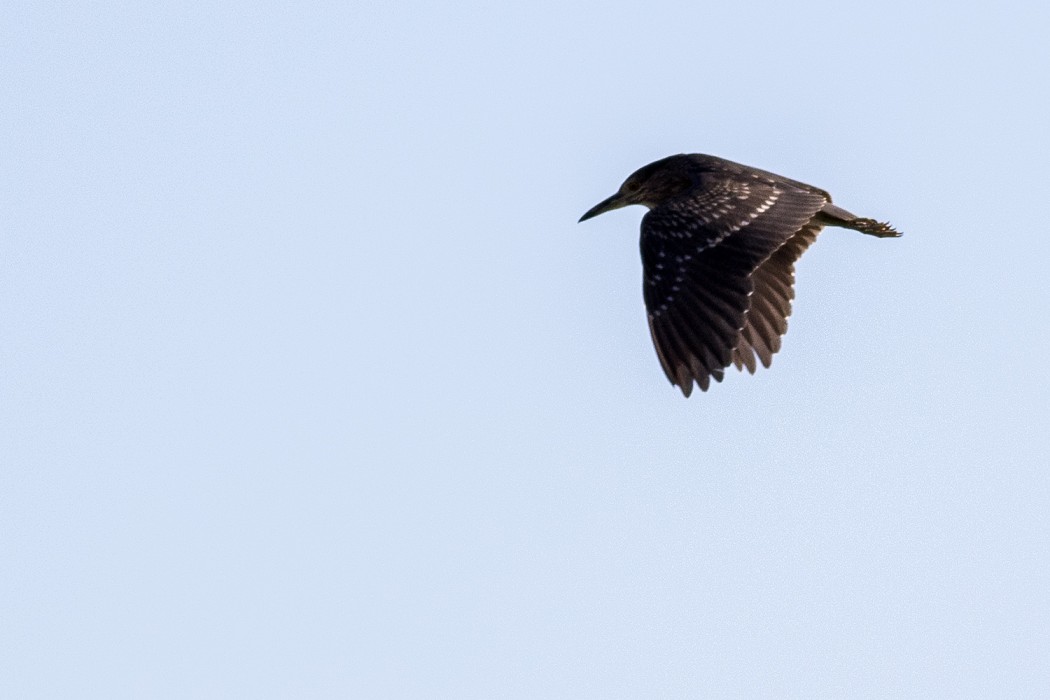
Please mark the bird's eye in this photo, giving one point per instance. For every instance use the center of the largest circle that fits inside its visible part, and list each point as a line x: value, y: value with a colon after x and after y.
x: 631, y: 186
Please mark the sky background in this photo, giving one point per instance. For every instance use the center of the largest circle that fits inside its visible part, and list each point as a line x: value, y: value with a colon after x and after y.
x: 312, y: 386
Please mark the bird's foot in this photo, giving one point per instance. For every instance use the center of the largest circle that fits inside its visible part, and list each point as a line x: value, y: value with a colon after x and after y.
x: 874, y: 228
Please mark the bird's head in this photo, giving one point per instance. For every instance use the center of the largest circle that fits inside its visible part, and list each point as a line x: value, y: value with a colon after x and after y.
x: 649, y: 186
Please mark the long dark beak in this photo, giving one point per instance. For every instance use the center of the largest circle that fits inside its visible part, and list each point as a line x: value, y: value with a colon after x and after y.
x: 614, y: 202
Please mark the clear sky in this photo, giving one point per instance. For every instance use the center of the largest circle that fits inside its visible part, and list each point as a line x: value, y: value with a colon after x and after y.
x: 312, y: 386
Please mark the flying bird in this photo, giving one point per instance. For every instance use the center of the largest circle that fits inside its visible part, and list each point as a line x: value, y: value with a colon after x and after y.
x: 719, y: 245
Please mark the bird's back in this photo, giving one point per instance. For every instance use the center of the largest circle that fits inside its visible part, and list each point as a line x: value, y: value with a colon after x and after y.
x: 704, y: 163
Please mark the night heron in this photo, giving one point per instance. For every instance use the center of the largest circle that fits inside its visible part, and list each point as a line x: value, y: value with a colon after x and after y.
x: 719, y: 246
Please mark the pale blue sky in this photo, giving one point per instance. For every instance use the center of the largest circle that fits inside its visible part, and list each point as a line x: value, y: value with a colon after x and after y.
x: 311, y: 385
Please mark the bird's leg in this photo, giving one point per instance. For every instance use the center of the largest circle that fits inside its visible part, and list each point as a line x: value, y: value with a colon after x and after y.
x: 873, y: 228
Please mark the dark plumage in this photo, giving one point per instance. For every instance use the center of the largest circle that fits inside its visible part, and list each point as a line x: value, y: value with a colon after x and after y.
x: 719, y: 246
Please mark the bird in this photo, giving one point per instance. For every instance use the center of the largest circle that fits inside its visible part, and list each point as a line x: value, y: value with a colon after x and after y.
x: 719, y: 245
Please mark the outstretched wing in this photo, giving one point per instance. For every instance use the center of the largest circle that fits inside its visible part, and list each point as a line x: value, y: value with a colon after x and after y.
x: 774, y: 289
x: 698, y: 255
